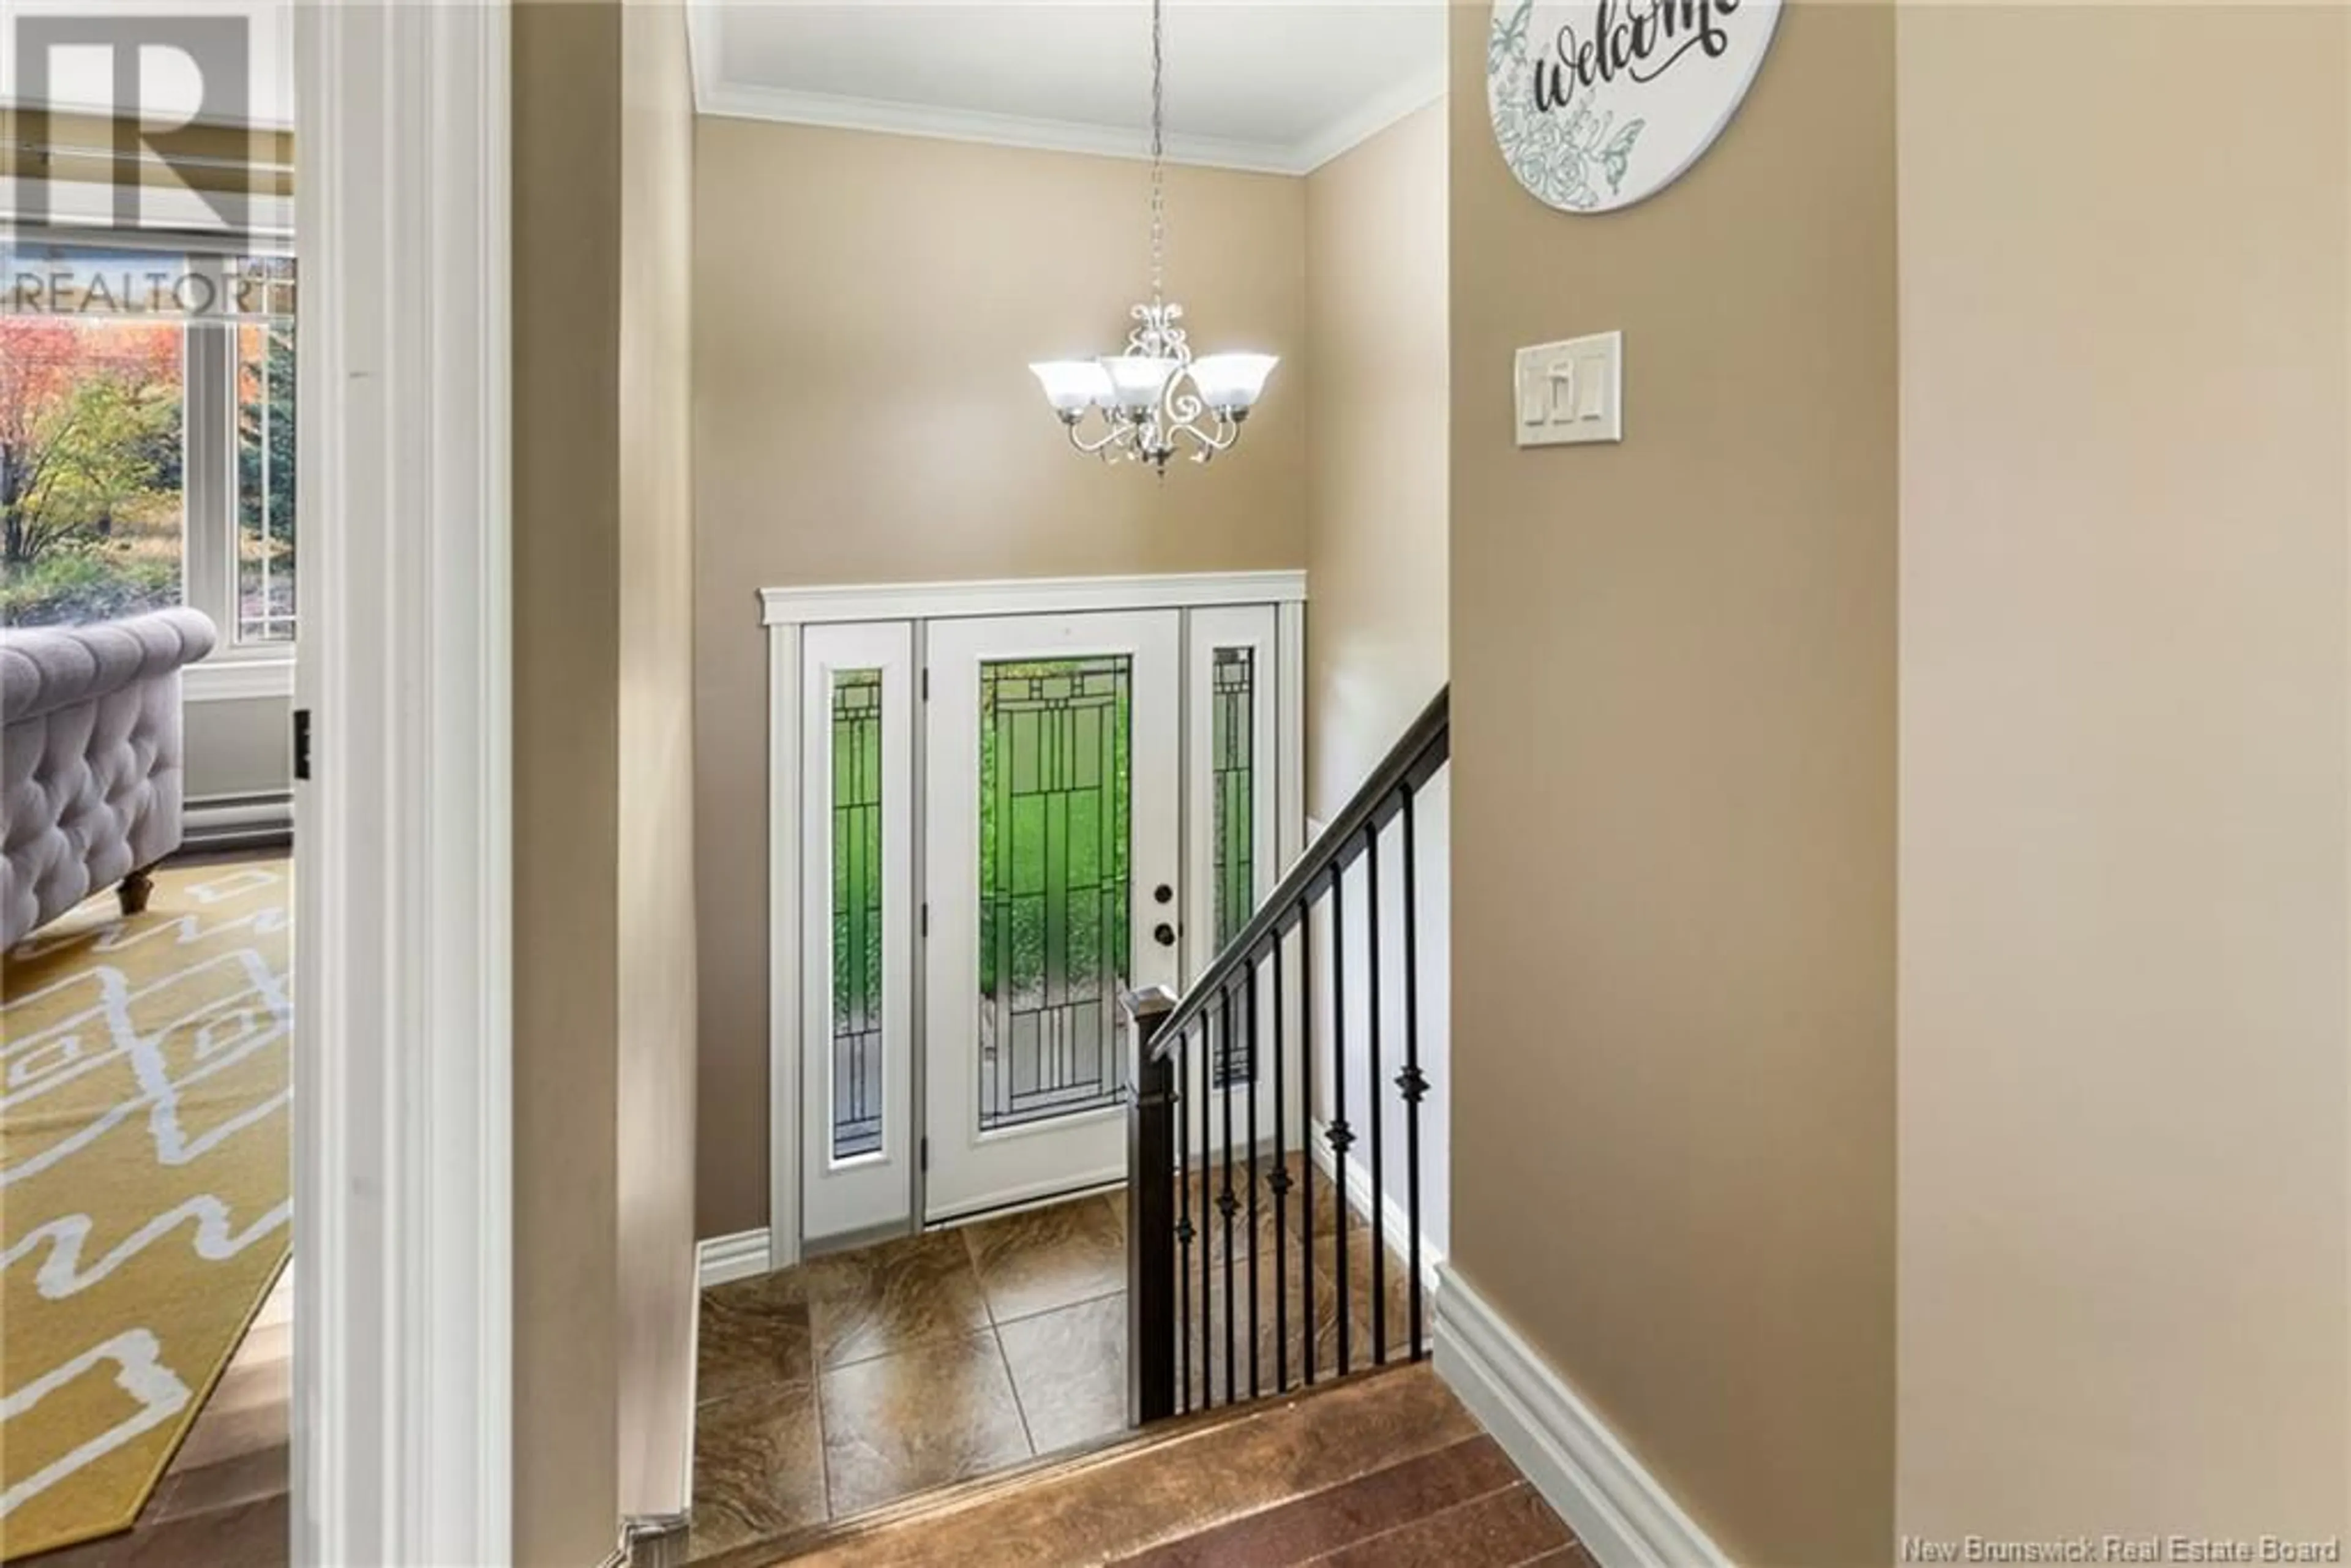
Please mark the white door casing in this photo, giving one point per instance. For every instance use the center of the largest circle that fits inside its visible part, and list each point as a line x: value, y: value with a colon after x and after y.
x: 402, y: 1380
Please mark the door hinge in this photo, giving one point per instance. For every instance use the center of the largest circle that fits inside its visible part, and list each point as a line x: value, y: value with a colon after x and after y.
x: 926, y: 682
x: 925, y: 921
x: 924, y: 1155
x: 301, y: 743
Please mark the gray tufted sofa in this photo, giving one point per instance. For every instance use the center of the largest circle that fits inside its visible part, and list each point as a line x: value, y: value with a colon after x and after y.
x: 90, y: 759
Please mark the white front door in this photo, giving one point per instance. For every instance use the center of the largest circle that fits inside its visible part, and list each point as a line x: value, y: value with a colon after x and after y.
x: 1051, y: 883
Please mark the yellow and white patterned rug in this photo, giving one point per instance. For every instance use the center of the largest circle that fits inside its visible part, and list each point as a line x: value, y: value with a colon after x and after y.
x: 145, y: 1183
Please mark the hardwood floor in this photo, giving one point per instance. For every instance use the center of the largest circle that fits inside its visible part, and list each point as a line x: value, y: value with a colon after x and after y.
x: 1385, y: 1469
x: 223, y: 1502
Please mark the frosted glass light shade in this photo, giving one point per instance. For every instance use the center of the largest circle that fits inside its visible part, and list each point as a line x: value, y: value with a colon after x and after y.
x: 1072, y: 386
x: 1137, y: 379
x: 1232, y: 382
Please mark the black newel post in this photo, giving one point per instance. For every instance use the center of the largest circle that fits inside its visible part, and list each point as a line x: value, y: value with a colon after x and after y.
x: 1151, y: 1179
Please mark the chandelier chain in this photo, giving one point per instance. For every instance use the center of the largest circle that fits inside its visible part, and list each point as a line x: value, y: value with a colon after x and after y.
x: 1151, y: 400
x: 1158, y: 153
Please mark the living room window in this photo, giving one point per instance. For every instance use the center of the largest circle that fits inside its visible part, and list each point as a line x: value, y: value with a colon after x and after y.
x: 147, y: 442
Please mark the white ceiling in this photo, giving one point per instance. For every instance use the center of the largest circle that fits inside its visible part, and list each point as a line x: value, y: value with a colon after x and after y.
x: 1279, y: 85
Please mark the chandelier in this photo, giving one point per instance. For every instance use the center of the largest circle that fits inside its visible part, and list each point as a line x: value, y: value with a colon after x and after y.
x: 1153, y: 400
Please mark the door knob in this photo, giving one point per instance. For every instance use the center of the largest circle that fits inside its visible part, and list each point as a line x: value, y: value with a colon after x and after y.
x: 1164, y: 934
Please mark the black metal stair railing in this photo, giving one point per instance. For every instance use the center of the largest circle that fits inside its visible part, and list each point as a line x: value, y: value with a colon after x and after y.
x: 1197, y: 1293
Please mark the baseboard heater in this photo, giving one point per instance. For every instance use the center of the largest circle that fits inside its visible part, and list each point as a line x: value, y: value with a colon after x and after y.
x: 238, y: 821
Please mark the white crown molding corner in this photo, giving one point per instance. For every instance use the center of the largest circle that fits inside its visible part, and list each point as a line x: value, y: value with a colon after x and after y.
x: 1026, y: 596
x: 1620, y: 1511
x: 1350, y: 131
x: 704, y: 27
x: 737, y: 101
x: 721, y: 1260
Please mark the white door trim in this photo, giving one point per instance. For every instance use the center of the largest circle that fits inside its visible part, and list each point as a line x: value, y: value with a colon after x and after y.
x: 402, y: 1381
x: 1026, y: 596
x: 784, y: 1078
x: 787, y: 610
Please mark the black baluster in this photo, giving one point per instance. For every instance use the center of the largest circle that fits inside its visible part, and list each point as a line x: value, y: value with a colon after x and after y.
x: 1279, y: 1183
x: 1184, y: 1228
x: 1410, y: 1079
x: 1226, y: 1204
x: 1372, y: 1093
x: 1207, y: 1251
x: 1306, y: 1128
x: 1340, y: 1136
x: 1248, y: 1032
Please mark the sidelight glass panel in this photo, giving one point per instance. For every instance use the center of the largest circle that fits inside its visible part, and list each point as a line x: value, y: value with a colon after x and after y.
x: 856, y: 912
x: 1054, y: 912
x: 1232, y: 735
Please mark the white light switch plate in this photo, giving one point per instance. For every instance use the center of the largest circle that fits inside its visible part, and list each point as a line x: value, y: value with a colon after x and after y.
x: 1572, y: 392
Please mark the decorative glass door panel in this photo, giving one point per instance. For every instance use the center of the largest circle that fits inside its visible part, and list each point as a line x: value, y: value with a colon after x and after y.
x: 1055, y: 814
x: 857, y: 1028
x: 859, y: 1072
x: 1052, y: 864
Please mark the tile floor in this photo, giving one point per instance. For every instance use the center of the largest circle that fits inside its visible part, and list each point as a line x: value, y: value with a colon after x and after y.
x: 866, y: 1377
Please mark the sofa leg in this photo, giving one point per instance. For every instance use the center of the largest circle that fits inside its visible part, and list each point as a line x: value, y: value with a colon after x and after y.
x: 135, y: 890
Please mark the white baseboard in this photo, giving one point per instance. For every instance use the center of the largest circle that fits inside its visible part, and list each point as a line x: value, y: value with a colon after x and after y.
x: 720, y: 1259
x: 1396, y: 1222
x: 1618, y: 1510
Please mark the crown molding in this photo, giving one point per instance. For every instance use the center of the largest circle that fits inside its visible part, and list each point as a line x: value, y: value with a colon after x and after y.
x: 704, y: 27
x: 1346, y: 133
x: 734, y: 100
x: 715, y: 95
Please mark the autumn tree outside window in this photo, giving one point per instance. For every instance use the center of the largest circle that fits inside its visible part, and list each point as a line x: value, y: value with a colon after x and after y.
x: 147, y: 437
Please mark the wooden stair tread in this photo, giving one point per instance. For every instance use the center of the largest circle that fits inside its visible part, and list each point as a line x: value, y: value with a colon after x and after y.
x: 1504, y: 1528
x: 1306, y: 1528
x: 1153, y: 1491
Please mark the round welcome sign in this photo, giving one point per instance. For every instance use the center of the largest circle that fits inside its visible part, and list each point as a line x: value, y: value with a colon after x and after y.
x: 1599, y: 103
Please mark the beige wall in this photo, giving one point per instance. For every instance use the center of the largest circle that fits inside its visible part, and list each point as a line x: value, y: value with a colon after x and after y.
x: 866, y: 307
x: 2126, y: 305
x: 1673, y: 765
x: 566, y: 759
x: 1375, y: 554
x: 603, y: 932
x: 656, y: 973
x: 1375, y: 548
